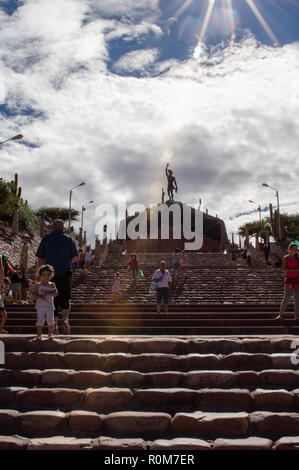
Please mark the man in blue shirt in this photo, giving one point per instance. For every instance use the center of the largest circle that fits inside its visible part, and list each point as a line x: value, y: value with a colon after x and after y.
x: 59, y: 250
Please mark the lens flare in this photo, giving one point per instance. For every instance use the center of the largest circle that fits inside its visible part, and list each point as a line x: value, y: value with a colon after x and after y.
x: 182, y: 8
x: 262, y: 21
x: 206, y: 19
x: 167, y: 154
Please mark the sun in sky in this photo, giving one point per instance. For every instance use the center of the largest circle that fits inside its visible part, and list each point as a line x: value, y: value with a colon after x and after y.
x: 222, y: 17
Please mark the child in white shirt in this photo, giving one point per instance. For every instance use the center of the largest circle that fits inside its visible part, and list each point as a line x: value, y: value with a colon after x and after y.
x: 44, y: 293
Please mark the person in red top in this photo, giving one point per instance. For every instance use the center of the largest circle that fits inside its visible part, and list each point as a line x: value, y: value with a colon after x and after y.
x: 290, y: 267
x: 133, y: 267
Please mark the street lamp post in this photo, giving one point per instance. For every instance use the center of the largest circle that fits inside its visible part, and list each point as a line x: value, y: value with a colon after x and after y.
x: 70, y: 202
x: 16, y: 137
x: 278, y: 211
x: 260, y: 211
x: 84, y: 209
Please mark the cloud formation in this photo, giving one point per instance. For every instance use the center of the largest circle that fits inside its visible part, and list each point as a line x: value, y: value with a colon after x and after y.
x: 226, y: 121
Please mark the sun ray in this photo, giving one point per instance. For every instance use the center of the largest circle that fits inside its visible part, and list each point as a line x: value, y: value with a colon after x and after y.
x: 229, y: 4
x: 182, y: 8
x: 206, y: 19
x: 263, y: 22
x: 293, y: 2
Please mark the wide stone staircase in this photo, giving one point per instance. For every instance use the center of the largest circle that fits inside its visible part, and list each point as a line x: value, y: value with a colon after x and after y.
x: 214, y: 299
x: 145, y: 393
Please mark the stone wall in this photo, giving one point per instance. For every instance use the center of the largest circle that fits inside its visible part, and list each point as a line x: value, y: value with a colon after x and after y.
x: 15, y: 248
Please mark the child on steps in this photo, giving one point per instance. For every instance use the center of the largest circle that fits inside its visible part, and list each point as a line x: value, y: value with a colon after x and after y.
x: 116, y: 287
x: 44, y: 293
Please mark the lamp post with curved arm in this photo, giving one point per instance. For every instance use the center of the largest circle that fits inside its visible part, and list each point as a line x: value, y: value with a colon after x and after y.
x: 259, y: 209
x: 82, y: 212
x: 70, y: 202
x: 278, y: 211
x: 16, y: 137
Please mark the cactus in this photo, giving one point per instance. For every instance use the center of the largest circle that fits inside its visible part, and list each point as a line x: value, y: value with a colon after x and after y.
x: 16, y: 181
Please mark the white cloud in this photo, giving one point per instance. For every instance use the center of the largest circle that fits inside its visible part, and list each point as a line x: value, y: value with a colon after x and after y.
x: 230, y: 118
x: 136, y: 61
x: 130, y: 32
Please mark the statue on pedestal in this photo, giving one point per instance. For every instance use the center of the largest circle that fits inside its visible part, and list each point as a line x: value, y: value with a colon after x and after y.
x: 171, y: 183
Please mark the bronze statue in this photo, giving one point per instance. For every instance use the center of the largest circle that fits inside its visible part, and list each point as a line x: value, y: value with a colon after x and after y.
x: 163, y: 195
x: 172, y: 184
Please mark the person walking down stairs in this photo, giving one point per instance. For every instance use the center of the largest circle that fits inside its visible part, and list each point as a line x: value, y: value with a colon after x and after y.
x: 183, y: 264
x: 175, y: 263
x: 116, y: 287
x: 87, y: 258
x: 163, y: 278
x: 290, y: 267
x: 59, y: 250
x: 133, y: 266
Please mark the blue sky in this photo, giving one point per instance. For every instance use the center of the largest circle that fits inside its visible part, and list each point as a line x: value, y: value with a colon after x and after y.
x: 109, y: 91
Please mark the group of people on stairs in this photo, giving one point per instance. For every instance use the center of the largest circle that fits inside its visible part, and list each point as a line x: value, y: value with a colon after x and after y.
x: 57, y: 252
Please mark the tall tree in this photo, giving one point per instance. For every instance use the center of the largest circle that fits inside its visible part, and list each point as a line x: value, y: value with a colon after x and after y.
x: 52, y: 213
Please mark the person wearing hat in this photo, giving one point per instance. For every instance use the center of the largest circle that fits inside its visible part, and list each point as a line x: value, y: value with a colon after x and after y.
x: 59, y: 250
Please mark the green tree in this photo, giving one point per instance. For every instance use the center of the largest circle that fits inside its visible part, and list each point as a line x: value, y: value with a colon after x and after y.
x: 290, y: 226
x: 8, y: 199
x: 27, y: 217
x: 52, y: 213
x: 255, y: 227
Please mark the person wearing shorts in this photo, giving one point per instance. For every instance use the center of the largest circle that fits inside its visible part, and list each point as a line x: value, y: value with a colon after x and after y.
x: 44, y: 293
x: 163, y: 278
x: 16, y: 284
x: 59, y: 250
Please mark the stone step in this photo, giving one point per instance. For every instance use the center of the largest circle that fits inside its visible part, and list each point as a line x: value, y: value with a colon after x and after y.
x: 113, y: 307
x: 147, y: 344
x: 160, y: 330
x: 169, y: 400
x: 149, y: 362
x: 112, y: 443
x: 88, y: 316
x: 151, y: 425
x: 266, y: 379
